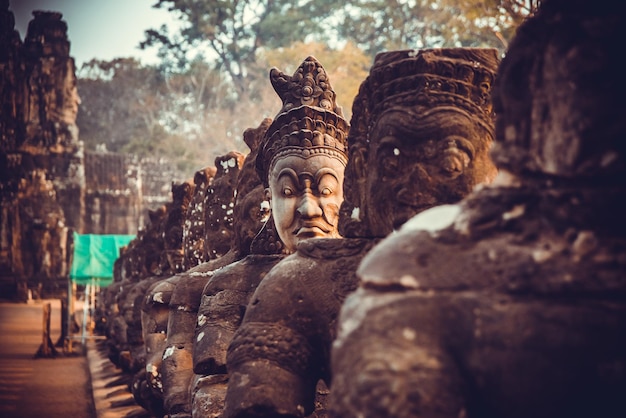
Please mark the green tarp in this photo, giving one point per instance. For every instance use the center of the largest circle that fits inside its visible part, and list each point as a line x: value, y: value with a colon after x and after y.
x: 94, y: 256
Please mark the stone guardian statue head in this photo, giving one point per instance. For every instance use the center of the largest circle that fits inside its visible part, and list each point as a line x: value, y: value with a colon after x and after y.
x: 303, y: 156
x: 422, y: 129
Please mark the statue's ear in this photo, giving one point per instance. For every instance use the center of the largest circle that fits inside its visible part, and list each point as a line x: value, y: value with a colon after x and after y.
x: 268, y: 194
x: 352, y: 222
x: 359, y: 161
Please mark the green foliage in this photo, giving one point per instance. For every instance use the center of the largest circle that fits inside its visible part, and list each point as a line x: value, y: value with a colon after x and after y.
x: 120, y: 100
x: 212, y: 82
x: 230, y: 32
x: 130, y: 108
x: 377, y: 25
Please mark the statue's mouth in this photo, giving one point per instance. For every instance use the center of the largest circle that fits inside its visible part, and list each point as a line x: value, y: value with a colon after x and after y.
x: 313, y: 228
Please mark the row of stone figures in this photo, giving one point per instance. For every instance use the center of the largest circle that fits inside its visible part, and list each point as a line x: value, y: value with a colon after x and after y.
x: 389, y: 269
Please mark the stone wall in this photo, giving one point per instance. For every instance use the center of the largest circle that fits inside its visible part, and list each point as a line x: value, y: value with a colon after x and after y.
x: 41, y: 160
x: 49, y: 186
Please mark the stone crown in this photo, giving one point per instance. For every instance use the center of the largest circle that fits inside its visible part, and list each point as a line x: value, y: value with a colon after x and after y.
x: 456, y: 77
x: 309, y: 123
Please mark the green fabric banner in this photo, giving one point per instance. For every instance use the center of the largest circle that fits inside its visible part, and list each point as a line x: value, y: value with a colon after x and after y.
x: 94, y: 256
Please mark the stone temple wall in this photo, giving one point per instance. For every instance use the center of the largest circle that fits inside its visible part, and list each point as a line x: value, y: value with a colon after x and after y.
x: 41, y: 159
x: 113, y: 193
x: 50, y: 186
x: 121, y: 189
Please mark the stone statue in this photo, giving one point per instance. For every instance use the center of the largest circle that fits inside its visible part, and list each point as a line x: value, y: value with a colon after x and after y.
x: 420, y: 132
x: 513, y: 304
x: 155, y: 304
x: 10, y: 79
x: 242, y: 210
x: 303, y: 157
x: 43, y: 231
x: 39, y: 147
x: 52, y: 99
x: 248, y: 220
x: 141, y: 259
x: 194, y: 226
x: 134, y: 303
x: 217, y: 196
x: 301, y: 162
x: 155, y: 307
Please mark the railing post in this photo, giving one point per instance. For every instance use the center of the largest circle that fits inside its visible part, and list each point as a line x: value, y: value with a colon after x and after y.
x: 46, y: 349
x: 64, y: 324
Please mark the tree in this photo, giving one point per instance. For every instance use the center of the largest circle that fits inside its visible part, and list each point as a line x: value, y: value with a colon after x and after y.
x: 120, y: 102
x: 377, y: 25
x: 230, y: 32
x: 127, y: 107
x: 213, y: 81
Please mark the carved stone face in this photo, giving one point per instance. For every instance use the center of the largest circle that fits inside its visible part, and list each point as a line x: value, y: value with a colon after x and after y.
x: 305, y: 195
x: 422, y: 159
x: 71, y: 102
x: 248, y: 218
x: 67, y: 110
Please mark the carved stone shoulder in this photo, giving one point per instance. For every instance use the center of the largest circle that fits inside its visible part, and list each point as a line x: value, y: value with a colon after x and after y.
x: 329, y: 249
x: 510, y: 242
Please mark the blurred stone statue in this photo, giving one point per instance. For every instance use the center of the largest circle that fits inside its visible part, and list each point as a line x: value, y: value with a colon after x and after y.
x: 233, y: 200
x: 420, y: 134
x: 52, y: 99
x: 215, y: 209
x: 250, y: 212
x: 138, y: 337
x: 514, y: 303
x: 194, y: 226
x: 300, y: 162
x: 155, y: 306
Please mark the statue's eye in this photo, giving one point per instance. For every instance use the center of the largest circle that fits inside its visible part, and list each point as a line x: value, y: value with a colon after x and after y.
x: 389, y: 163
x: 327, y: 185
x: 287, y: 192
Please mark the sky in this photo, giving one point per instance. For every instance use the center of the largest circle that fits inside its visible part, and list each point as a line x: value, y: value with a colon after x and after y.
x: 100, y: 29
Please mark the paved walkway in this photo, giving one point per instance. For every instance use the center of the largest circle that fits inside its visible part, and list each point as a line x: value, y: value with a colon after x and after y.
x: 74, y: 386
x: 39, y: 387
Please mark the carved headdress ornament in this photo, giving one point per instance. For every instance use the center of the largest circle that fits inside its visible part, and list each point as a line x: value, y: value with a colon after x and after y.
x: 425, y: 82
x: 459, y: 78
x: 309, y: 123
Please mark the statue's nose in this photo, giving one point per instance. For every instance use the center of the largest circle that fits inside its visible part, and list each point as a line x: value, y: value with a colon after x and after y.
x: 309, y: 206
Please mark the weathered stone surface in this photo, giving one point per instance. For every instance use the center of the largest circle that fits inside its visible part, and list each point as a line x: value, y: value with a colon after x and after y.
x: 141, y: 259
x: 514, y: 305
x: 244, y: 217
x: 224, y: 298
x: 96, y: 192
x: 194, y: 228
x: 38, y: 140
x: 430, y: 141
x: 155, y: 307
x: 11, y: 122
x: 302, y: 157
x: 421, y: 128
x: 134, y: 307
x: 154, y: 319
x: 297, y: 304
x: 220, y: 205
